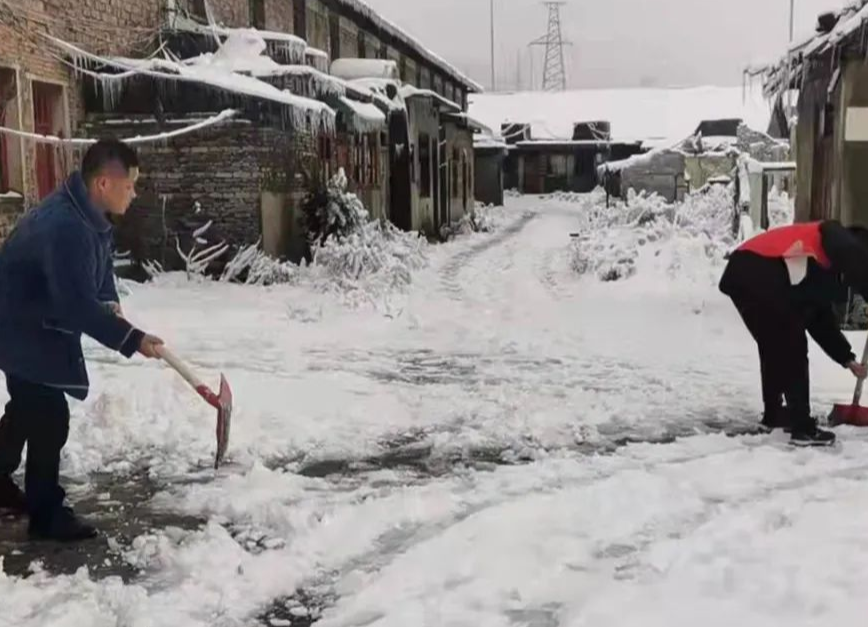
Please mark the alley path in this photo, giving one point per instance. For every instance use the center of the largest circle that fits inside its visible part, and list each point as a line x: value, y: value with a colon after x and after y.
x: 464, y: 460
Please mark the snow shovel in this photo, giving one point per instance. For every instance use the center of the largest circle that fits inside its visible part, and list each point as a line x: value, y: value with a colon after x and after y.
x: 853, y: 414
x: 222, y: 401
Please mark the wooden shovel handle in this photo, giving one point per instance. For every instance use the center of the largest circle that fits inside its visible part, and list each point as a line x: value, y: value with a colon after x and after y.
x: 180, y: 367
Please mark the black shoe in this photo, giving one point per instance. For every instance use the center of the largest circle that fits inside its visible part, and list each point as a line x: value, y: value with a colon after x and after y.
x: 62, y: 525
x: 812, y: 437
x: 11, y: 497
x: 778, y: 419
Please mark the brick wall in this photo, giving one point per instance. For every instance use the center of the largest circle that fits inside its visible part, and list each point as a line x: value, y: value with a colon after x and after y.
x: 236, y: 13
x: 317, y: 25
x: 349, y: 39
x: 224, y: 169
x: 102, y: 26
x: 278, y: 16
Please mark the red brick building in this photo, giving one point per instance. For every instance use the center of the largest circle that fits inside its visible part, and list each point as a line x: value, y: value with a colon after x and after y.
x: 41, y: 93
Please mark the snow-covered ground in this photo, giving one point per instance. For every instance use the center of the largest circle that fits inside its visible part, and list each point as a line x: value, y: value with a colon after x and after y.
x: 509, y: 442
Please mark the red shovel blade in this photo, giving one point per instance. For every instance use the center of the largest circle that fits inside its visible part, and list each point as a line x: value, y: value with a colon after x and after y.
x: 222, y: 402
x: 854, y: 415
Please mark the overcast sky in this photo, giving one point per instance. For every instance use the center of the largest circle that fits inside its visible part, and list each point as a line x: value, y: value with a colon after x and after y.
x: 617, y: 43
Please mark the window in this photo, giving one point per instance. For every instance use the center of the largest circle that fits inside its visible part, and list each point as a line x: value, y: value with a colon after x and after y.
x: 425, y: 166
x: 384, y: 51
x: 325, y: 157
x: 335, y: 35
x: 11, y: 171
x: 361, y: 44
x: 47, y: 120
x: 557, y: 165
x: 402, y: 69
x: 299, y: 18
x: 257, y: 14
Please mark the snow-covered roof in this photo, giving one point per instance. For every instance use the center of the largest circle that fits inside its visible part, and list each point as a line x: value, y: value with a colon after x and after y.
x: 487, y: 142
x: 218, y: 76
x: 649, y: 115
x: 642, y: 160
x: 409, y: 91
x: 351, y: 69
x: 380, y: 88
x: 367, y: 117
x: 360, y: 7
x: 561, y: 143
x: 846, y: 25
x: 294, y: 44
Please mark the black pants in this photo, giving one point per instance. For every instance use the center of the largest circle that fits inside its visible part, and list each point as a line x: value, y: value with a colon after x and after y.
x: 38, y: 416
x: 783, y: 351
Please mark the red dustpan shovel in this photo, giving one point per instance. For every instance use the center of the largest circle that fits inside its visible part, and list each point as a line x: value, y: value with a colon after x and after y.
x: 852, y: 414
x: 222, y: 401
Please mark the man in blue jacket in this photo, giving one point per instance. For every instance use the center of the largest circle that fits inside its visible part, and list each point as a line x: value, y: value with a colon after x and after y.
x: 57, y: 283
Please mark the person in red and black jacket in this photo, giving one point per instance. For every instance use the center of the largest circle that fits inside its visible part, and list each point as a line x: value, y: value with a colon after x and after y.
x: 784, y: 282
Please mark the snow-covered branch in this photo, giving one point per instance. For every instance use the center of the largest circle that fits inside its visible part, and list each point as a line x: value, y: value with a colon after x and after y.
x: 138, y: 139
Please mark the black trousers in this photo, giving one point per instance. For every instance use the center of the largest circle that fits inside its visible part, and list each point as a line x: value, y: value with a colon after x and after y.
x: 38, y: 416
x: 781, y: 337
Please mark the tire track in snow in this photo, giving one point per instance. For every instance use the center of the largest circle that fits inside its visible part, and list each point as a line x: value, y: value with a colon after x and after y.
x: 450, y: 274
x: 623, y: 558
x: 397, y: 542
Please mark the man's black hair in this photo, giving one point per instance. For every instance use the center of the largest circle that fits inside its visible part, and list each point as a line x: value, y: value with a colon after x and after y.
x: 106, y: 152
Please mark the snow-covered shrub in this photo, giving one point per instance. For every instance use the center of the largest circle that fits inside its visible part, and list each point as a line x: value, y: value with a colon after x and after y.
x: 484, y: 218
x: 611, y: 241
x: 376, y: 258
x: 351, y: 253
x: 252, y: 266
x: 333, y: 212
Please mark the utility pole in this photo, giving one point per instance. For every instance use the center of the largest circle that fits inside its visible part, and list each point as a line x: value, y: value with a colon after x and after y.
x: 792, y: 19
x: 518, y: 70
x: 493, y: 74
x: 554, y: 72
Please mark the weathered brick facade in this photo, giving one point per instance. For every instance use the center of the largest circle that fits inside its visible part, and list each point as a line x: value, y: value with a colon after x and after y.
x: 222, y: 171
x: 242, y: 174
x: 102, y: 26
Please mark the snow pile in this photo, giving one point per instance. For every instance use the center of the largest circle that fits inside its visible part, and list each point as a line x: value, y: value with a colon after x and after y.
x: 243, y: 51
x: 488, y: 218
x: 684, y: 240
x: 781, y: 208
x: 483, y: 219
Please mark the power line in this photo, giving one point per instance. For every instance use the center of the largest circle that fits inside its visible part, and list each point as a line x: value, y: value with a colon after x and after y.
x: 554, y: 71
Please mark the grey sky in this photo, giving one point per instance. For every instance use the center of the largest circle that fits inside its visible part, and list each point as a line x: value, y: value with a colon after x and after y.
x: 617, y: 43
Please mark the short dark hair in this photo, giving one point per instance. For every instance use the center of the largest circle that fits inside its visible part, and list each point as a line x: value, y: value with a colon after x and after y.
x: 106, y: 152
